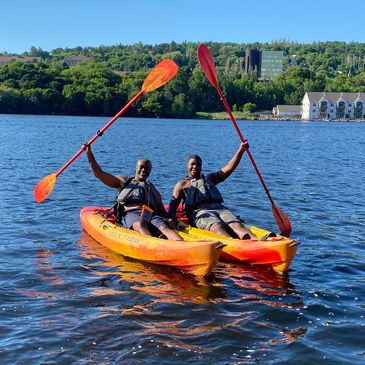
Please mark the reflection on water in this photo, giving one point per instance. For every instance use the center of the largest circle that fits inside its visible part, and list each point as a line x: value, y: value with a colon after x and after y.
x: 161, y: 286
x: 169, y: 285
x: 47, y: 268
x: 164, y: 284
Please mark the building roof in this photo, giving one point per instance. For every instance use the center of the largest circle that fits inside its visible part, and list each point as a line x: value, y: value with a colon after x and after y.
x: 334, y: 97
x: 289, y: 108
x: 75, y: 60
x: 4, y: 60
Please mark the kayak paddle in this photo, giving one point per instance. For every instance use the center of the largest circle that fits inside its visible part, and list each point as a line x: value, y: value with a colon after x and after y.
x: 160, y: 75
x: 207, y: 63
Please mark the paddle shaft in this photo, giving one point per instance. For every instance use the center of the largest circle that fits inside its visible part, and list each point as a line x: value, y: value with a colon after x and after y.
x: 100, y: 132
x: 244, y: 140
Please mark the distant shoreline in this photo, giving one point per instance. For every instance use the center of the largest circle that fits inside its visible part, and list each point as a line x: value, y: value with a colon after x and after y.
x: 208, y: 116
x: 265, y: 117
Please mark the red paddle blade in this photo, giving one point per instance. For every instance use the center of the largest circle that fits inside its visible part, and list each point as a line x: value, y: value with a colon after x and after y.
x: 160, y: 75
x: 44, y: 187
x: 207, y: 63
x: 282, y: 221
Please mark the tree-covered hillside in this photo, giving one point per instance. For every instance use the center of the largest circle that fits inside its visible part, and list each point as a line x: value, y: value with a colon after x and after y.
x: 109, y: 76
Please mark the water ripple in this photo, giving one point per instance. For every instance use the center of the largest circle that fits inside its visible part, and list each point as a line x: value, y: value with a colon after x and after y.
x: 66, y: 299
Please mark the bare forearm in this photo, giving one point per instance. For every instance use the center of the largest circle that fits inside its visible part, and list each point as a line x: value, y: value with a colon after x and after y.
x: 106, y: 178
x: 95, y: 167
x: 233, y: 163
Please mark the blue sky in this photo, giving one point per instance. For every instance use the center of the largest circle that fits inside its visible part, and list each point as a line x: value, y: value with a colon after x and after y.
x: 51, y: 24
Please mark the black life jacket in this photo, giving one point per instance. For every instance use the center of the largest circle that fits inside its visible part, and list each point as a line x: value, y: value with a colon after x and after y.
x: 134, y: 192
x: 201, y: 191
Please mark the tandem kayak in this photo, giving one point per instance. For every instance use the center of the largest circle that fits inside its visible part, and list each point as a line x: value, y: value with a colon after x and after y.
x: 197, y: 256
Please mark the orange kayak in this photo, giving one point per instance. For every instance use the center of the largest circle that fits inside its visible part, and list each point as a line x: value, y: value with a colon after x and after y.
x: 192, y: 255
x: 277, y: 252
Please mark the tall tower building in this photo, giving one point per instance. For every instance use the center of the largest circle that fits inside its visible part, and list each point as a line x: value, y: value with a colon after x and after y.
x: 252, y: 60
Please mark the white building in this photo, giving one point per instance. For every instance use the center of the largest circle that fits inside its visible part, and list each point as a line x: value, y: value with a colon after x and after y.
x: 328, y: 106
x: 283, y: 111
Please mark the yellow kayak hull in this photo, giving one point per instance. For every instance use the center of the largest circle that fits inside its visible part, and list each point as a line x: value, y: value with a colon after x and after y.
x: 192, y: 255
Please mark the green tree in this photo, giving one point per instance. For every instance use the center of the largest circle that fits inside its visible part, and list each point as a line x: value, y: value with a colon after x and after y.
x: 10, y: 100
x: 249, y: 108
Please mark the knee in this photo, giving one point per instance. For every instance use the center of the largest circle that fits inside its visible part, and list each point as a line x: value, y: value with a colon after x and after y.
x: 164, y: 228
x: 235, y: 226
x: 217, y: 227
x: 139, y: 225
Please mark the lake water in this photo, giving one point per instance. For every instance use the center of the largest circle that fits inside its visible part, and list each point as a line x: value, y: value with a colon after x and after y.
x: 64, y: 299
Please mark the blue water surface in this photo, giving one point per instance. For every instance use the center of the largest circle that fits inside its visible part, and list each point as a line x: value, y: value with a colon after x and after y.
x: 64, y: 299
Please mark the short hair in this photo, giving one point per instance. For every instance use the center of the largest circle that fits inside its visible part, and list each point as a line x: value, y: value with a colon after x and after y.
x: 195, y: 157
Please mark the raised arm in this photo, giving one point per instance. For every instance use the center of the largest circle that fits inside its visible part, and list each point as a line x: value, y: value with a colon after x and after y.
x: 227, y: 170
x: 108, y: 179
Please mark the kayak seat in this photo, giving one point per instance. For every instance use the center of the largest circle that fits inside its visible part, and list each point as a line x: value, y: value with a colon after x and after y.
x: 271, y: 234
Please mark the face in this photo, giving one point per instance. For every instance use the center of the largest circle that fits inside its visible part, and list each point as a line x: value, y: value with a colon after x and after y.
x: 143, y: 169
x: 194, y: 167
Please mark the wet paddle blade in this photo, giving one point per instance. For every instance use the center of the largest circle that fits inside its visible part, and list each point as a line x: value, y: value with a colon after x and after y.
x: 160, y: 75
x: 44, y: 187
x: 282, y: 221
x: 207, y: 63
